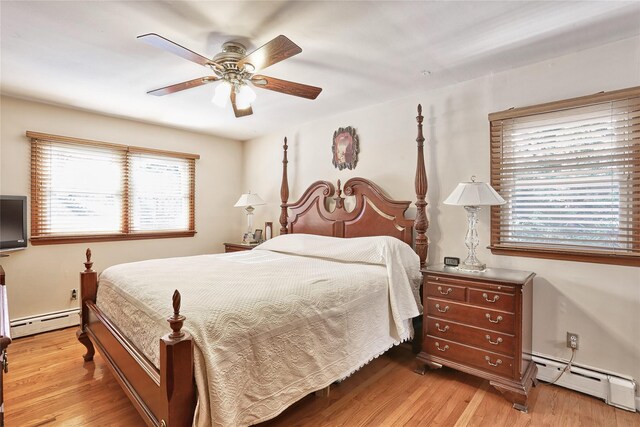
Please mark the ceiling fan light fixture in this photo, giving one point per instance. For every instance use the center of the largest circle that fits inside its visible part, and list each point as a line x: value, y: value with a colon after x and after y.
x: 221, y: 94
x: 245, y: 97
x: 234, y: 69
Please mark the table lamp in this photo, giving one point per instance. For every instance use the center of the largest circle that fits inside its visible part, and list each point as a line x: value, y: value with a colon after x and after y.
x: 472, y: 195
x: 248, y: 201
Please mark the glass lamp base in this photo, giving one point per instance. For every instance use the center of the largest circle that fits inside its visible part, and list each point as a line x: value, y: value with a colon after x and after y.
x: 471, y: 263
x: 472, y: 267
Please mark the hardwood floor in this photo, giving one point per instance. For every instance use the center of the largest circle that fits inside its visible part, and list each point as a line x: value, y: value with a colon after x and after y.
x: 48, y: 384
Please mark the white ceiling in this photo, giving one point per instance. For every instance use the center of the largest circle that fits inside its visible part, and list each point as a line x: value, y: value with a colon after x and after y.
x: 84, y: 54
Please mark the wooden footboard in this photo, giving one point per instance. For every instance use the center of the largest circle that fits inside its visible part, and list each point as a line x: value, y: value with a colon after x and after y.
x: 163, y: 397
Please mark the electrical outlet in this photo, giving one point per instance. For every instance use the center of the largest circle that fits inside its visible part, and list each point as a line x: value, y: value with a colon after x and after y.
x: 572, y: 340
x: 74, y: 294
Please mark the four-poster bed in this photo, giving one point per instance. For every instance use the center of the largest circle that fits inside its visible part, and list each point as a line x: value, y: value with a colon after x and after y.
x: 160, y: 383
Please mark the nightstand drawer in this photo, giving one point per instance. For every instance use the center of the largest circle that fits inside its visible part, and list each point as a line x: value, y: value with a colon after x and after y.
x: 490, y: 286
x: 443, y: 290
x: 489, y: 340
x: 487, y: 361
x: 467, y: 314
x: 492, y: 299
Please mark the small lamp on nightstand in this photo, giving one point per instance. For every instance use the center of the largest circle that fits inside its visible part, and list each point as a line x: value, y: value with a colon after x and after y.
x: 248, y: 201
x: 472, y: 195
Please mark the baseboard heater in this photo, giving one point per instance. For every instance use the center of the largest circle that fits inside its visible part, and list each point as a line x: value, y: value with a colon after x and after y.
x: 44, y: 322
x: 616, y: 390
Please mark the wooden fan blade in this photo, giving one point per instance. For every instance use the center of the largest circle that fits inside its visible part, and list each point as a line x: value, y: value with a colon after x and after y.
x: 182, y: 86
x: 166, y: 44
x: 285, y: 86
x: 270, y: 53
x: 238, y: 112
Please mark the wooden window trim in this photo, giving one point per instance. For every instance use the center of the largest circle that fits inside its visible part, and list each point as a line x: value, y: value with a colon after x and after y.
x: 566, y: 104
x: 57, y: 138
x: 45, y: 240
x: 592, y: 256
x: 110, y: 237
x: 557, y: 254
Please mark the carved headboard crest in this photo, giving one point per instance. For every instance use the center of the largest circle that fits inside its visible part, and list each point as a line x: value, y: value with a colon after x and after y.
x: 374, y: 212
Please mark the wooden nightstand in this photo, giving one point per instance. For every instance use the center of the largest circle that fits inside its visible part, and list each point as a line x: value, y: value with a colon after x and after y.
x: 480, y: 323
x: 237, y: 247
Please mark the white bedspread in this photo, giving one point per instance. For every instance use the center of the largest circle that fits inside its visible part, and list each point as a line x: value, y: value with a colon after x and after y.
x: 271, y: 327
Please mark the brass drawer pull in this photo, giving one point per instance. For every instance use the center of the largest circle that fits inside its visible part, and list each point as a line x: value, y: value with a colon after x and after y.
x: 488, y: 359
x: 495, y: 298
x: 496, y: 342
x: 443, y: 310
x: 449, y: 290
x: 5, y: 362
x: 445, y: 329
x: 488, y: 316
x: 445, y: 348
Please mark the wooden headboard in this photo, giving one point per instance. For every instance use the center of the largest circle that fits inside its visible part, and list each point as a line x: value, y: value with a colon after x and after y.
x: 374, y: 213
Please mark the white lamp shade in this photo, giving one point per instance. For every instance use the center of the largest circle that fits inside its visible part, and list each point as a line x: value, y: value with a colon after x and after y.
x: 474, y: 194
x: 248, y: 199
x: 245, y: 97
x: 221, y: 94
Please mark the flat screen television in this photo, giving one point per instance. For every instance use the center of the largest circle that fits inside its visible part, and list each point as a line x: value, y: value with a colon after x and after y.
x: 13, y: 222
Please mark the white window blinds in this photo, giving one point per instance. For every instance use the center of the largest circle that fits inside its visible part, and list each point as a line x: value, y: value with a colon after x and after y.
x: 160, y: 192
x: 571, y: 178
x: 79, y: 189
x: 87, y: 191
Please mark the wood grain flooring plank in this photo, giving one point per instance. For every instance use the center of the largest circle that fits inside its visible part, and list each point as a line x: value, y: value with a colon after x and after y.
x: 49, y: 385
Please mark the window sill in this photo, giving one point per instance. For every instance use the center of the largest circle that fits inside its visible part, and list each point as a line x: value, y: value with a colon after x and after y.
x: 56, y: 240
x: 593, y: 257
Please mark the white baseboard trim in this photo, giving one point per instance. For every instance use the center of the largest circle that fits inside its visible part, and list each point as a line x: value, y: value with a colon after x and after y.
x: 615, y: 389
x: 44, y: 322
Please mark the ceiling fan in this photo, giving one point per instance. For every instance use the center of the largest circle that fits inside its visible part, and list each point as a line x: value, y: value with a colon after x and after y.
x: 235, y: 69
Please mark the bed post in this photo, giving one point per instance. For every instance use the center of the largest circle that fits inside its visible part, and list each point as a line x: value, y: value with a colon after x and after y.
x: 176, y: 371
x: 88, y: 291
x: 284, y: 191
x: 421, y: 223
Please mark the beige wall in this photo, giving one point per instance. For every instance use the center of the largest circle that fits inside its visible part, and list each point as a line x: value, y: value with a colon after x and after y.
x: 40, y: 277
x: 599, y: 302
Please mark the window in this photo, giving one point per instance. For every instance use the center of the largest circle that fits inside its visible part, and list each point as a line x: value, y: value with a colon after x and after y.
x: 570, y: 174
x: 85, y: 191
